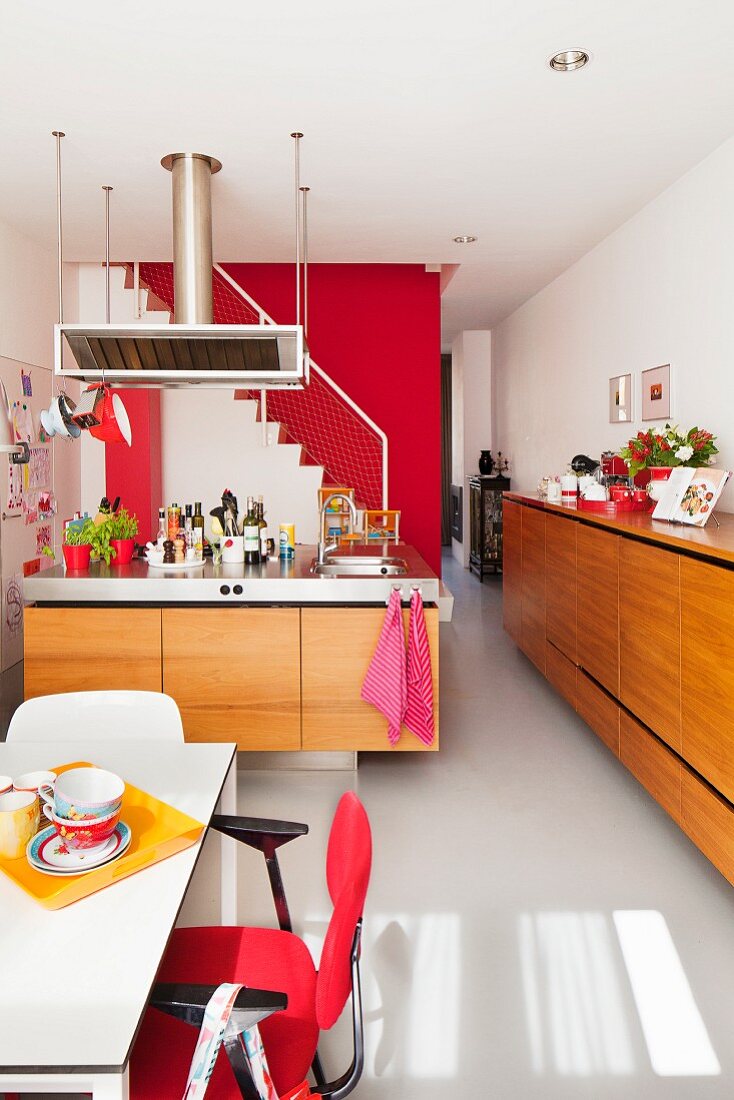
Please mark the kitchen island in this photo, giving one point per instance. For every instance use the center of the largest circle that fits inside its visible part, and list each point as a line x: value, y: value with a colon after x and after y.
x: 271, y: 657
x: 631, y: 620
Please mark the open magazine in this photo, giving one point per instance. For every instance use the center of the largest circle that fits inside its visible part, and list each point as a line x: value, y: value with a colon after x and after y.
x: 690, y: 495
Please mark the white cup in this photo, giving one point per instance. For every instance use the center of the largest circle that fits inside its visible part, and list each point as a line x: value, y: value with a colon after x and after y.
x: 554, y: 492
x: 595, y: 492
x: 19, y: 821
x: 31, y: 781
x: 6, y: 784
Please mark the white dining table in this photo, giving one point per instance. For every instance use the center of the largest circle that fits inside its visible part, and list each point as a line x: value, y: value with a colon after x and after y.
x: 74, y: 982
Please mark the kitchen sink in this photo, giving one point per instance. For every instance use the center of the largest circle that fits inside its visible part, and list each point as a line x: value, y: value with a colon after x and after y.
x: 371, y: 566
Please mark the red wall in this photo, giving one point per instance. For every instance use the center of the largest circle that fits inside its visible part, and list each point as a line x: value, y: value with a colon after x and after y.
x: 134, y: 473
x: 376, y: 330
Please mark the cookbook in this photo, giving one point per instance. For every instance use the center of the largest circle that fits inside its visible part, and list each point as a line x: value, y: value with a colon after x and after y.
x: 690, y: 495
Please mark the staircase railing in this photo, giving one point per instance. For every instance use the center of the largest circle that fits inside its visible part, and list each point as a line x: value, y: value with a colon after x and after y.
x: 332, y: 429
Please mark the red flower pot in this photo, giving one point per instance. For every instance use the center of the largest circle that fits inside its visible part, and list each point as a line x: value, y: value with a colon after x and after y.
x: 76, y: 558
x: 124, y: 551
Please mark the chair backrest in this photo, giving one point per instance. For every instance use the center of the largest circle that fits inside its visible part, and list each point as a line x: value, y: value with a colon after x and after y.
x: 98, y: 715
x: 348, y: 865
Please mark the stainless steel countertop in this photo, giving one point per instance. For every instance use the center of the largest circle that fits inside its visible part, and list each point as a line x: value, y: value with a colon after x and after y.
x: 275, y: 582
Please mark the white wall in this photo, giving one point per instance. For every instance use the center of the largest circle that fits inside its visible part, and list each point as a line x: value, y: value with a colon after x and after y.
x: 28, y: 311
x: 210, y: 442
x: 471, y: 412
x: 658, y: 290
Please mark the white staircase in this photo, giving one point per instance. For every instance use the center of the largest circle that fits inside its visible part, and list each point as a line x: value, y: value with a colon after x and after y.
x: 208, y: 441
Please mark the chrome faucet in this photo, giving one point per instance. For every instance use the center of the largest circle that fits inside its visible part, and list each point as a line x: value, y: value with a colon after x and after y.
x: 325, y: 547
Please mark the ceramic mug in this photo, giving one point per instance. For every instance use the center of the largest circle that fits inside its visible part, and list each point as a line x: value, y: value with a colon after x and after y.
x: 31, y: 781
x: 84, y: 793
x: 84, y: 833
x: 19, y: 820
x: 595, y: 492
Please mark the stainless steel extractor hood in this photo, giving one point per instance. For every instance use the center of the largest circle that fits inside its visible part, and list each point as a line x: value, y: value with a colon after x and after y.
x: 192, y: 351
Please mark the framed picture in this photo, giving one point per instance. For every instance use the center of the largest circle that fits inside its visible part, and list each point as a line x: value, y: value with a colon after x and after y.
x: 620, y: 399
x: 656, y: 393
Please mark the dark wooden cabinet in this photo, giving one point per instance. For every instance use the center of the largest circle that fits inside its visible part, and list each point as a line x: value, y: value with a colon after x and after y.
x: 485, y: 523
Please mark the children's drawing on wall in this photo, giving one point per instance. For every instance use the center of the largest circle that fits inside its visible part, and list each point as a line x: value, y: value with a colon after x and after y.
x: 30, y: 506
x: 25, y: 381
x: 15, y: 490
x: 39, y: 468
x: 43, y: 538
x: 23, y: 422
x: 12, y: 620
x: 46, y: 504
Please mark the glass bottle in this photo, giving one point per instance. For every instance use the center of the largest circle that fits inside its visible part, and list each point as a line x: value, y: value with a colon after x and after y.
x: 251, y: 532
x: 162, y: 527
x: 198, y: 526
x: 188, y: 529
x: 174, y: 517
x: 263, y: 525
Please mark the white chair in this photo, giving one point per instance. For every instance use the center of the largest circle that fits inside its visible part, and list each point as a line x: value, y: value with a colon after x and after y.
x: 98, y: 715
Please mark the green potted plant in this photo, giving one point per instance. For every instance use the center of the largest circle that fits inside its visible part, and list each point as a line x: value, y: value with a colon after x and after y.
x: 100, y: 541
x: 77, y: 544
x: 123, y: 529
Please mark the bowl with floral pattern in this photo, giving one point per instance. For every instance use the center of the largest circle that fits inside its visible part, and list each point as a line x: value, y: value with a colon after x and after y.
x: 83, y: 833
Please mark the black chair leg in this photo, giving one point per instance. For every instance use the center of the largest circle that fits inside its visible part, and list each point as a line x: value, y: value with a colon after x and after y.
x: 318, y: 1071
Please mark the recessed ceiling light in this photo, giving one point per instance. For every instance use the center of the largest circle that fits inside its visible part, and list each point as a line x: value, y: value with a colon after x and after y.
x: 464, y: 240
x: 568, y: 60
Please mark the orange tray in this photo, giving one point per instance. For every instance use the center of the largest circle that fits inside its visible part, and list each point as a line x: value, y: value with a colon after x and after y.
x: 158, y: 831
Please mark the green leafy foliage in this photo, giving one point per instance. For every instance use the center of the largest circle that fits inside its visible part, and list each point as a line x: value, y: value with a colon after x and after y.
x: 80, y: 535
x: 123, y: 525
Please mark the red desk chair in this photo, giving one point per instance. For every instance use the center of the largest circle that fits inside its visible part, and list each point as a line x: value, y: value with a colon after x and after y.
x: 268, y: 959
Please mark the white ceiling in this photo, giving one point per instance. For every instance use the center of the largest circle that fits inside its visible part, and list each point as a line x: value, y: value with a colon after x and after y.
x: 423, y: 120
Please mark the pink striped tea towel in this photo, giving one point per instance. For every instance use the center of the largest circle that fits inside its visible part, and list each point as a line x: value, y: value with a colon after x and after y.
x: 384, y: 685
x: 419, y: 710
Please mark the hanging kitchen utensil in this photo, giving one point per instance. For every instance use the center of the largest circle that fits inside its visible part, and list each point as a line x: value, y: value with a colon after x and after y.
x: 67, y: 408
x: 88, y: 413
x: 114, y: 423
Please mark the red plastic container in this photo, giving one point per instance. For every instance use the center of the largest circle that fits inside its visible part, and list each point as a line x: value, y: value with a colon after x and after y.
x: 124, y: 550
x: 76, y: 558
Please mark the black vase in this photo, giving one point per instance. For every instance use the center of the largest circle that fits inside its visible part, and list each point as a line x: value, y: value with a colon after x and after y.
x: 486, y: 462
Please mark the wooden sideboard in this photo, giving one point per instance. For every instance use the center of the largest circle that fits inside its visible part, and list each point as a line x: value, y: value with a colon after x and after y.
x: 632, y: 622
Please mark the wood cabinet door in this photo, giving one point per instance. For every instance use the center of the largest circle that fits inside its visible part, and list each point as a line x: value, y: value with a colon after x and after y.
x: 597, y: 587
x: 91, y: 649
x: 533, y: 586
x: 337, y: 645
x: 707, y: 672
x: 656, y: 767
x: 650, y: 638
x: 235, y: 674
x: 709, y: 822
x: 512, y: 570
x: 560, y: 583
x: 561, y: 673
x: 599, y: 711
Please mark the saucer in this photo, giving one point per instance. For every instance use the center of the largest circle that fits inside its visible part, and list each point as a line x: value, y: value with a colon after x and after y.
x: 48, y: 853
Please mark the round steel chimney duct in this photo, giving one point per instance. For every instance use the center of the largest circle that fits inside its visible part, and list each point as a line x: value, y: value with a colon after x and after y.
x: 192, y: 236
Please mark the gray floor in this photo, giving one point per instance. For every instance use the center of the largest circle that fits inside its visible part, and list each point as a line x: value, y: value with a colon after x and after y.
x: 536, y: 925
